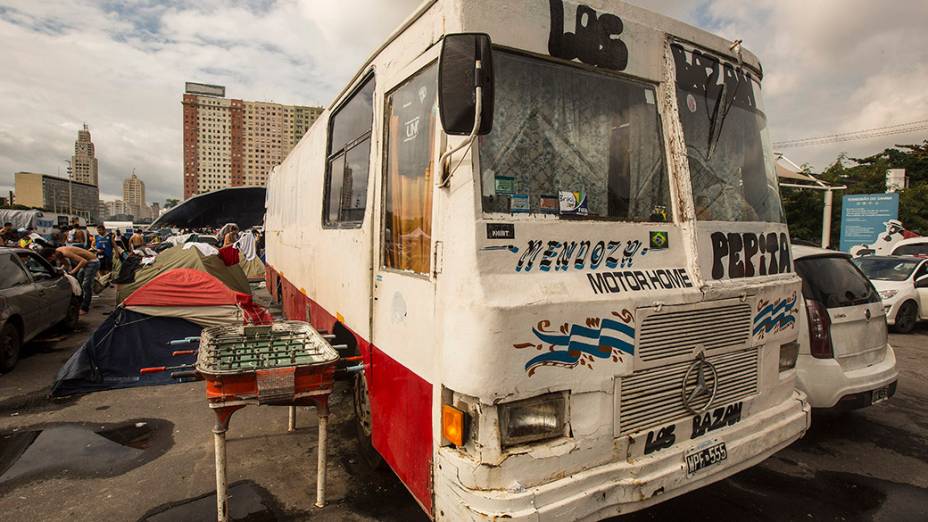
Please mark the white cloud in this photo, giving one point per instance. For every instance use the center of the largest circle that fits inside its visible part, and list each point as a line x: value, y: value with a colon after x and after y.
x: 831, y: 66
x: 121, y: 67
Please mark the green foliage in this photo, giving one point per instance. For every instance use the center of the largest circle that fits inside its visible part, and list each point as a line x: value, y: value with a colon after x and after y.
x: 862, y: 176
x: 171, y: 202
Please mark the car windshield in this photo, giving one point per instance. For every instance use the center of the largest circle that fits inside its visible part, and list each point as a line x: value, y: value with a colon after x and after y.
x: 887, y: 268
x: 834, y: 282
x: 572, y: 143
x: 915, y: 249
x: 728, y: 149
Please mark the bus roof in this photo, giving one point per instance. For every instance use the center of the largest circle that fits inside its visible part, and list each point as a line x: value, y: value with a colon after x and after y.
x: 476, y: 17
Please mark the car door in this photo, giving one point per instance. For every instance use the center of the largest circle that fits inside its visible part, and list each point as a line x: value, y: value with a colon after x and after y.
x: 922, y: 292
x: 19, y: 296
x: 52, y: 288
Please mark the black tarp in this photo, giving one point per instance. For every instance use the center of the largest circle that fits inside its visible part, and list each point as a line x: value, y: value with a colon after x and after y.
x: 243, y: 206
x: 126, y: 342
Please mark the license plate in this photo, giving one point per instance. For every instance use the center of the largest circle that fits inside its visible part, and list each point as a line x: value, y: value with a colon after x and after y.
x: 701, y: 458
x: 879, y: 395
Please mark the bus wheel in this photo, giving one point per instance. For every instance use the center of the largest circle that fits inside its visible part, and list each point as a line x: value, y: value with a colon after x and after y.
x: 362, y: 422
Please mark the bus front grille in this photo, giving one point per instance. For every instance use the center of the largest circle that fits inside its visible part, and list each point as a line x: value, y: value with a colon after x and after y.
x: 670, y: 334
x: 653, y: 397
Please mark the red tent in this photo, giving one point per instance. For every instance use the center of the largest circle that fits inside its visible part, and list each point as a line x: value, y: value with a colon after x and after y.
x: 196, y: 296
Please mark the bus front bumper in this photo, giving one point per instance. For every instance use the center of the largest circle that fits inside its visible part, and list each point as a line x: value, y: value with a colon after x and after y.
x: 621, y: 487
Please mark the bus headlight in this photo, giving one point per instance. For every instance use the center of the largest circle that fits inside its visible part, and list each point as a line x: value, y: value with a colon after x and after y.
x: 789, y: 352
x: 531, y: 420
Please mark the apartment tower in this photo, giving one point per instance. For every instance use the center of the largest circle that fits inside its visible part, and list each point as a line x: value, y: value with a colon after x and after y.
x: 233, y: 143
x: 133, y: 193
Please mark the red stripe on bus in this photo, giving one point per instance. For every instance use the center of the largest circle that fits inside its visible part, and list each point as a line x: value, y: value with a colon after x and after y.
x: 401, y: 400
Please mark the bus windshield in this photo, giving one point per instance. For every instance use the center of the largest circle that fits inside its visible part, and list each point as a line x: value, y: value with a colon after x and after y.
x: 731, y: 163
x: 572, y: 143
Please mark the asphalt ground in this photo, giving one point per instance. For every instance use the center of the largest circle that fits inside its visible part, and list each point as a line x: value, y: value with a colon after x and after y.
x: 146, y: 454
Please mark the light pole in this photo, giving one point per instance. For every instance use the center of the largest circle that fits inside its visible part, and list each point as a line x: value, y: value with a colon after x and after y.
x: 70, y: 207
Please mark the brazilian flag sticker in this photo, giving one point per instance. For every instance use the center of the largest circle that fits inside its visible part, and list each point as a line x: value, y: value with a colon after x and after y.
x: 659, y: 240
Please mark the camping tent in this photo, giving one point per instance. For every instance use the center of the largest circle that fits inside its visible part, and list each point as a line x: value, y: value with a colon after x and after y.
x: 174, y: 305
x: 254, y: 269
x: 176, y: 257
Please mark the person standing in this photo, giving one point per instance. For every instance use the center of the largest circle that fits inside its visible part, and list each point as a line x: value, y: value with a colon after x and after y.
x: 84, y: 265
x: 103, y: 243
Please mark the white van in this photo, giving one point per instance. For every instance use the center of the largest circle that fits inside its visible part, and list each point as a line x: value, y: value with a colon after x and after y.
x: 845, y: 359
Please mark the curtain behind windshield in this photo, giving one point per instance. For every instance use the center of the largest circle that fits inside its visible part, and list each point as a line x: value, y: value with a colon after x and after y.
x: 574, y: 143
x: 731, y: 164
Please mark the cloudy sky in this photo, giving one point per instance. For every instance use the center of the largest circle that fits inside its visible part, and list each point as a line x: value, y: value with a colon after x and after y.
x: 831, y: 66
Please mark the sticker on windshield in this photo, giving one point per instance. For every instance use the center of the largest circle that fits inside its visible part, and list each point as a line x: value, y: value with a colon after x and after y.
x: 573, y: 203
x: 691, y: 102
x: 548, y: 204
x: 519, y: 204
x: 505, y: 184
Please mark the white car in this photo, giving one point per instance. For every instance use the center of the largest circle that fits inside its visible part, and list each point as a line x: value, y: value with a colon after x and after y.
x: 914, y: 246
x: 845, y: 360
x: 903, y: 285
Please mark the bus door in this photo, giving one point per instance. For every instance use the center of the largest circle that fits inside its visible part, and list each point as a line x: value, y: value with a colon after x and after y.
x: 403, y: 305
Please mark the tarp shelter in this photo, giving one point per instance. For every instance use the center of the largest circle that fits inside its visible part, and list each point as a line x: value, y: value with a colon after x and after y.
x: 241, y: 205
x: 174, y: 305
x: 176, y: 257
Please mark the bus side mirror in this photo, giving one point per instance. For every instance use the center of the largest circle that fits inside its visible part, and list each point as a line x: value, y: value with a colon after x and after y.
x: 465, y: 71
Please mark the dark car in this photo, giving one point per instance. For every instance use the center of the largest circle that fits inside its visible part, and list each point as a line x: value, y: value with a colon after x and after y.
x: 33, y: 298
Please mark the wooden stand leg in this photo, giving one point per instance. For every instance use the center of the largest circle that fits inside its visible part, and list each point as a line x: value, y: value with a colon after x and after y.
x: 291, y: 425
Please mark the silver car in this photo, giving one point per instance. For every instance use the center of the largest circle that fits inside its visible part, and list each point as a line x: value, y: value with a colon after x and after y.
x: 33, y: 298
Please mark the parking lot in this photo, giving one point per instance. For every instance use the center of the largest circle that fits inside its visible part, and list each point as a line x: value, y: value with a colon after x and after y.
x: 146, y: 453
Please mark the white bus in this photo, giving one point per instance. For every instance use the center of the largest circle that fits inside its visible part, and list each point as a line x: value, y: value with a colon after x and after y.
x: 584, y: 310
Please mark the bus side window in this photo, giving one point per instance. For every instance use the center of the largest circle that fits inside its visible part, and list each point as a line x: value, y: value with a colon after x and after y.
x: 411, y: 112
x: 348, y: 163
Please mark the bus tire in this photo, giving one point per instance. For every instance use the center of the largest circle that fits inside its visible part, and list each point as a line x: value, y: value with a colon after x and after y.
x: 363, y: 421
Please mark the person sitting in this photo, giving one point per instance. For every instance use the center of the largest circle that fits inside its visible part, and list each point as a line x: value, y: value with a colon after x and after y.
x: 136, y: 241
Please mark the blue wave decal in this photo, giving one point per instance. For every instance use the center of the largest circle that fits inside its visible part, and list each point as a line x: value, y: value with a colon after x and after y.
x: 582, y: 344
x: 776, y: 316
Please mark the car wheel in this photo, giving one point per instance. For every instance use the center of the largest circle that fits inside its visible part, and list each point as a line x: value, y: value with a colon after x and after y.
x: 906, y: 317
x: 10, y: 344
x: 70, y: 320
x: 362, y: 422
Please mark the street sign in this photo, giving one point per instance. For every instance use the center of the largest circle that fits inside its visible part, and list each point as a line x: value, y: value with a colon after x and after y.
x: 864, y: 217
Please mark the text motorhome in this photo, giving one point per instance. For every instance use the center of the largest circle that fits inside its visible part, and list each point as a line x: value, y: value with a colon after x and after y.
x: 588, y: 309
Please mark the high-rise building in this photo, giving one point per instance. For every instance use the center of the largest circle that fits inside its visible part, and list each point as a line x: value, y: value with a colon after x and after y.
x: 58, y: 195
x: 133, y: 193
x: 231, y: 143
x: 83, y: 162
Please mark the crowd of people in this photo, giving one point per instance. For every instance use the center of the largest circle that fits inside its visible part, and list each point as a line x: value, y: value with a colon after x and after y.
x: 84, y: 252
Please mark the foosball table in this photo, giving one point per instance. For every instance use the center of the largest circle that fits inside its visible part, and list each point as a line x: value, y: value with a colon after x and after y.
x: 286, y: 363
